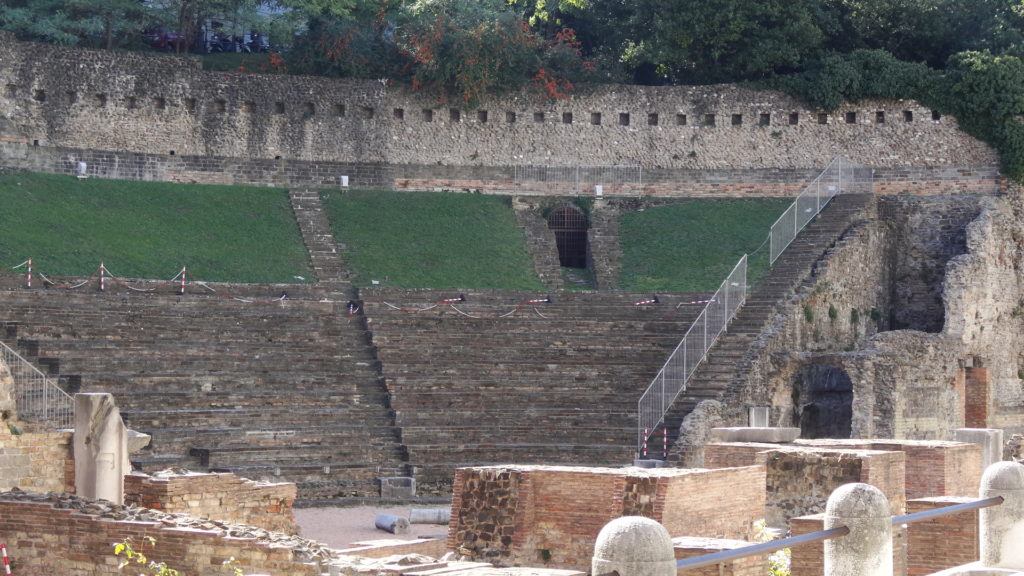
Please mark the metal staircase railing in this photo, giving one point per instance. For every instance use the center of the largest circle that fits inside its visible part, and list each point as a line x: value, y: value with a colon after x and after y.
x: 37, y: 398
x: 840, y: 176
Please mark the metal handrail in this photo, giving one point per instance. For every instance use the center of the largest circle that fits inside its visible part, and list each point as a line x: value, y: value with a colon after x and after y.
x: 674, y: 375
x: 947, y: 511
x: 762, y: 548
x: 37, y: 397
x: 821, y: 535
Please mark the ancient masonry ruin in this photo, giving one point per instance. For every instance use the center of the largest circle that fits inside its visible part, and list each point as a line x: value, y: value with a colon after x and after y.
x: 909, y: 327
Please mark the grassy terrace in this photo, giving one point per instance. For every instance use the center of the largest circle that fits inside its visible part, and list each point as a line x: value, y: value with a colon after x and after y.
x: 693, y: 245
x: 149, y: 229
x: 407, y: 239
x: 431, y: 239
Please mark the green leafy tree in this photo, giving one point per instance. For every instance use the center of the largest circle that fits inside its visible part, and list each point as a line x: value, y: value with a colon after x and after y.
x: 76, y: 22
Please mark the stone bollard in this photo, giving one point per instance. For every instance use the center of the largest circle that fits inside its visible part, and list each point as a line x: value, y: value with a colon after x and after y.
x: 867, y: 549
x: 633, y: 546
x: 1001, y: 528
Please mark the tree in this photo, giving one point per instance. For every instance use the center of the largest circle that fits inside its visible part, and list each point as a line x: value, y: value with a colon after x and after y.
x: 73, y: 22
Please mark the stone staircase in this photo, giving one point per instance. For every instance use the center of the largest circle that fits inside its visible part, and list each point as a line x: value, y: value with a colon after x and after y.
x: 554, y: 383
x: 319, y: 240
x: 728, y: 360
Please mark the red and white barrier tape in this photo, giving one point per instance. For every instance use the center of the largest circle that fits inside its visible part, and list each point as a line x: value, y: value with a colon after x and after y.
x: 643, y: 447
x: 664, y: 443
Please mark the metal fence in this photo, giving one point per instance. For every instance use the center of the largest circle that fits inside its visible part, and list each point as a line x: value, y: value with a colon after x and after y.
x: 840, y: 176
x: 37, y: 398
x: 584, y: 179
x: 691, y: 350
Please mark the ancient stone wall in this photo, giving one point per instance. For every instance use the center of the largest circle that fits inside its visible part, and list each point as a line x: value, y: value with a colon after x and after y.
x: 147, y: 116
x: 551, y: 516
x: 60, y: 534
x: 223, y: 497
x: 36, y: 461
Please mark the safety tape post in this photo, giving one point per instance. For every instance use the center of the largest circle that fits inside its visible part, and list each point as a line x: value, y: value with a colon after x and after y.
x: 7, y: 561
x: 643, y: 446
x: 184, y: 272
x: 103, y: 277
x: 653, y: 300
x: 29, y: 276
x: 664, y: 443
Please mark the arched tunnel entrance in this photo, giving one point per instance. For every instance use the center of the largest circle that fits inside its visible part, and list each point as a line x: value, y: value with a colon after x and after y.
x: 570, y: 225
x: 823, y: 398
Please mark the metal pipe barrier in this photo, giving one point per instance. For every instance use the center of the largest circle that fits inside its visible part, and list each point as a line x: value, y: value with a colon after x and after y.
x: 37, y: 397
x: 822, y: 535
x: 691, y: 351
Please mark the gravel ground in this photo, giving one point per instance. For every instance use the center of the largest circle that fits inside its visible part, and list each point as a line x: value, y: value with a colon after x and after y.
x: 340, y: 527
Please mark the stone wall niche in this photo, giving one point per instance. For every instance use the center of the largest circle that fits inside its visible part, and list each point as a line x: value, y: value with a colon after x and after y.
x: 823, y: 401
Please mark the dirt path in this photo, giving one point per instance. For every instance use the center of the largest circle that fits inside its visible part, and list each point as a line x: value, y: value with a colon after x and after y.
x: 340, y: 527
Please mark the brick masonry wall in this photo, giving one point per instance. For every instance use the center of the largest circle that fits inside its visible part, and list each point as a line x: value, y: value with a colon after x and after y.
x: 799, y: 480
x: 43, y: 462
x: 223, y: 497
x: 688, y: 547
x: 42, y: 539
x: 551, y: 515
x: 942, y: 542
x: 933, y: 467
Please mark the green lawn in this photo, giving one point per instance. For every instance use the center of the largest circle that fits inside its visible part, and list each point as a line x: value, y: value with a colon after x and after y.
x: 431, y: 239
x: 693, y: 245
x: 149, y: 229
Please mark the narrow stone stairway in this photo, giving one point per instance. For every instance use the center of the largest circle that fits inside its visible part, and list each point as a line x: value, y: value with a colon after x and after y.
x: 725, y: 360
x: 319, y: 240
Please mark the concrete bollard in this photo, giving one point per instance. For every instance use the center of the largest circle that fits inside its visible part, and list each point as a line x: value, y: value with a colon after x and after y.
x: 430, y: 515
x: 1001, y: 528
x: 633, y: 546
x: 867, y: 549
x: 391, y: 523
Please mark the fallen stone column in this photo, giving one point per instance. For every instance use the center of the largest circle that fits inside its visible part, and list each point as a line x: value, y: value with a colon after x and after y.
x: 430, y: 515
x: 391, y: 523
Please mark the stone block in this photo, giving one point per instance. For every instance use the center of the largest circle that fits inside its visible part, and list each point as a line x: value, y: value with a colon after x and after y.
x: 397, y: 487
x: 990, y: 440
x: 748, y: 434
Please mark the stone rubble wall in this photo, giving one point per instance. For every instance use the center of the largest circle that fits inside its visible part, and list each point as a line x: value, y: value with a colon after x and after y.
x: 217, y: 496
x: 36, y: 461
x: 148, y: 116
x: 551, y: 515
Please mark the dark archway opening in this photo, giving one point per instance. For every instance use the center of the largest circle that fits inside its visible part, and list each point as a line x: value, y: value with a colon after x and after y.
x: 570, y: 227
x: 824, y: 400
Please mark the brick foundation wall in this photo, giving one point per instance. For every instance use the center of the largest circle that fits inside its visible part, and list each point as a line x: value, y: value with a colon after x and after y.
x: 688, y: 547
x: 43, y: 462
x: 933, y: 467
x: 223, y: 497
x: 42, y: 539
x: 942, y: 542
x: 733, y: 454
x: 809, y: 559
x: 799, y: 480
x: 551, y: 515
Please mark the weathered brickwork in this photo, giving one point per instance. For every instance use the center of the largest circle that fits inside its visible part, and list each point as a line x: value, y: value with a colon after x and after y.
x: 145, y: 116
x: 42, y: 462
x: 941, y: 543
x: 223, y: 497
x: 809, y: 559
x: 799, y: 480
x: 550, y: 515
x: 689, y: 546
x: 44, y: 539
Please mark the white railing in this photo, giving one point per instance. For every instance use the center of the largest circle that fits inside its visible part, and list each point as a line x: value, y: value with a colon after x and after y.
x: 840, y: 176
x: 584, y: 179
x: 691, y: 350
x: 37, y: 398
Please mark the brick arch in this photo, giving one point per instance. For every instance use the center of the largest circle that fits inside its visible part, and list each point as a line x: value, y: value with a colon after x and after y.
x: 570, y: 226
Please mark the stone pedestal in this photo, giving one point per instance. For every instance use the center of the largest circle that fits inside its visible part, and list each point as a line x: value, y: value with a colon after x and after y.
x: 101, y: 448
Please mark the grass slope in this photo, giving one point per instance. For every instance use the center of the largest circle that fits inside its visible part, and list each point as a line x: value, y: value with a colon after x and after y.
x: 431, y: 239
x: 694, y: 245
x: 149, y: 229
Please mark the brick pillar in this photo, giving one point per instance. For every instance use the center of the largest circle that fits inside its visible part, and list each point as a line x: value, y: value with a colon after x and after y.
x: 809, y: 559
x: 976, y: 400
x: 937, y: 544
